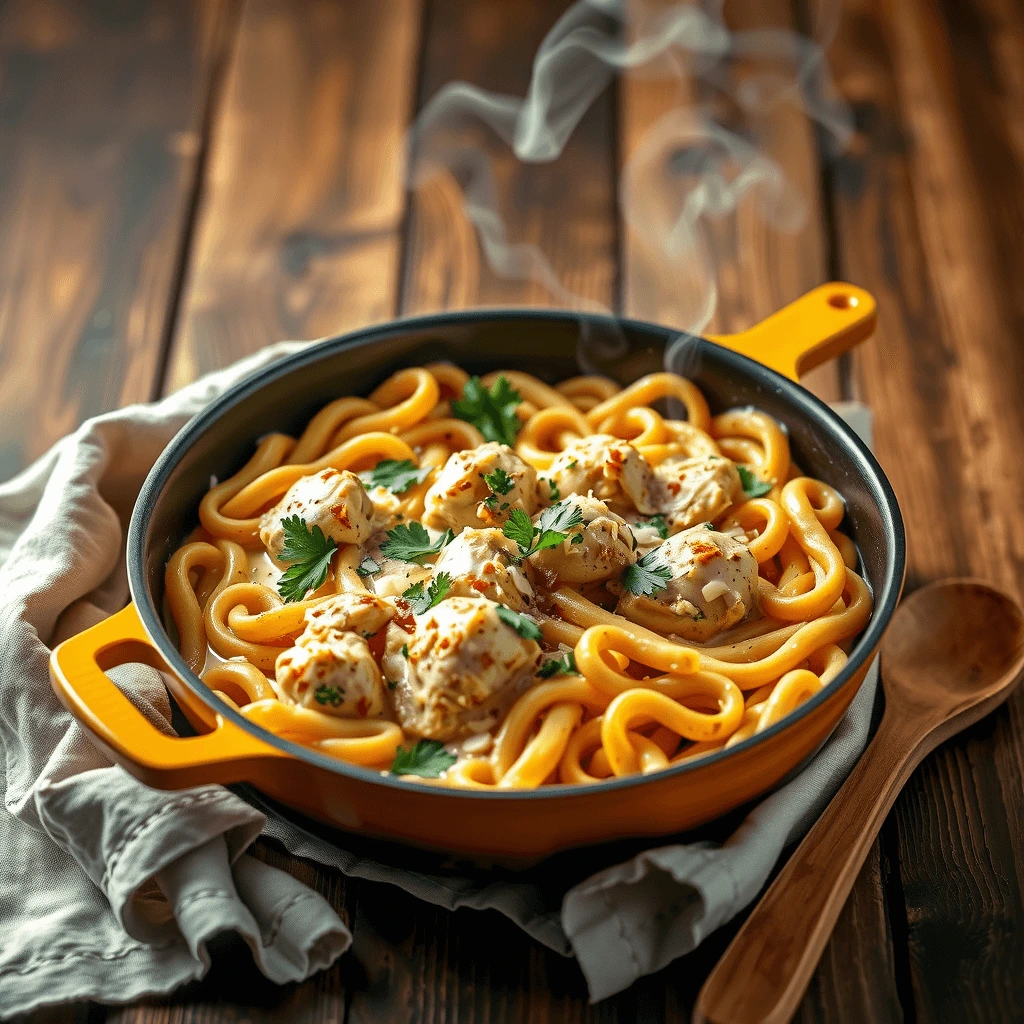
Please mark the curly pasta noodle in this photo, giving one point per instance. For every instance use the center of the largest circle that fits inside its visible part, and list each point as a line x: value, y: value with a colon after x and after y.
x: 641, y: 699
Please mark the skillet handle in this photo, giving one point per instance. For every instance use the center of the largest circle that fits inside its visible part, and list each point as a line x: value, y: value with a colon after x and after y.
x: 827, y: 321
x: 227, y: 754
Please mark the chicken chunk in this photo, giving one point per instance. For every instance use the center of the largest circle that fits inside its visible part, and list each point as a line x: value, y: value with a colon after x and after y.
x: 691, y: 491
x: 332, y: 673
x: 335, y: 500
x: 460, y: 669
x: 461, y: 497
x: 482, y: 562
x: 609, y: 468
x: 363, y: 614
x: 713, y: 586
x: 605, y: 548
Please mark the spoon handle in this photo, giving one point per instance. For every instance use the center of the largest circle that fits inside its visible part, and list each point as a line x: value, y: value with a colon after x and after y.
x: 762, y: 976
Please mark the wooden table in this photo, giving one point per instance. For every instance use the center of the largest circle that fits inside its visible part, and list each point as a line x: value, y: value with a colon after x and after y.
x: 182, y: 183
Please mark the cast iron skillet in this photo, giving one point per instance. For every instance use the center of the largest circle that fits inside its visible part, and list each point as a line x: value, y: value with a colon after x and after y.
x: 552, y: 345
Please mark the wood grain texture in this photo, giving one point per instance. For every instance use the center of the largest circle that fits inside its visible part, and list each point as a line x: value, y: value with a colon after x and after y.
x: 298, y: 234
x: 564, y: 209
x: 765, y: 254
x: 101, y: 120
x: 928, y: 207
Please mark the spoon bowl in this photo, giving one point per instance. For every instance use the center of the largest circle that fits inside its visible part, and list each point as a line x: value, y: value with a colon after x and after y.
x: 954, y: 648
x: 953, y: 652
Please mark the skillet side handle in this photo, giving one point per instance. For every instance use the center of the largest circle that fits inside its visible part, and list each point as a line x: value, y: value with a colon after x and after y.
x: 818, y: 326
x: 227, y: 754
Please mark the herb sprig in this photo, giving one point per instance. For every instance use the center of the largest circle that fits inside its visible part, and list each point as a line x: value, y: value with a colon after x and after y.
x: 309, y: 552
x: 423, y: 600
x: 647, y: 575
x: 752, y: 487
x: 427, y: 758
x: 394, y: 474
x: 522, y: 624
x: 552, y: 529
x: 410, y: 542
x: 563, y: 666
x: 659, y: 524
x: 491, y: 410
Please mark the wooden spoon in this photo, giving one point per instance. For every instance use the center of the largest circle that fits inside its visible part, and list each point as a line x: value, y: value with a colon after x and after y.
x: 953, y: 652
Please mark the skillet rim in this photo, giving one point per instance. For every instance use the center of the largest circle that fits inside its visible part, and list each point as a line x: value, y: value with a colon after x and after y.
x: 799, y: 398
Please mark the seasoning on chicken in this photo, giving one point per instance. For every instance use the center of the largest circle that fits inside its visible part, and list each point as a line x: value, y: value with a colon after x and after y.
x: 461, y: 495
x: 609, y: 468
x: 363, y: 614
x: 713, y: 586
x: 599, y: 548
x: 334, y: 673
x: 335, y: 500
x: 483, y: 563
x: 690, y: 491
x: 458, y: 671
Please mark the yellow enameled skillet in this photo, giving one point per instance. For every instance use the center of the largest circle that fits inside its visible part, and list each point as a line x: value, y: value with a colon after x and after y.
x: 758, y: 367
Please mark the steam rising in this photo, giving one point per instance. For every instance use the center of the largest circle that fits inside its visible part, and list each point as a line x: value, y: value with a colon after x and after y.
x: 687, y: 169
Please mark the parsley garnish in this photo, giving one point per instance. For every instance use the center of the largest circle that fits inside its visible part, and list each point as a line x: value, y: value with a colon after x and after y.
x: 397, y: 476
x: 309, y: 552
x: 752, y: 487
x: 423, y: 600
x: 333, y: 695
x: 648, y: 575
x: 428, y: 759
x: 658, y: 522
x: 553, y: 493
x: 411, y: 543
x: 499, y: 481
x: 553, y: 527
x: 709, y: 526
x: 563, y: 666
x: 405, y: 651
x: 367, y: 567
x: 491, y: 410
x: 522, y: 624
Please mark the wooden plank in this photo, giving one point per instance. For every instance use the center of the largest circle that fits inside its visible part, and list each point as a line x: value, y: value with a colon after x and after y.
x: 101, y: 125
x: 565, y: 209
x: 928, y: 214
x: 755, y: 265
x: 298, y: 233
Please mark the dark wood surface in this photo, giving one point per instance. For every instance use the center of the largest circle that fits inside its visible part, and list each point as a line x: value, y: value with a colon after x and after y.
x: 182, y: 183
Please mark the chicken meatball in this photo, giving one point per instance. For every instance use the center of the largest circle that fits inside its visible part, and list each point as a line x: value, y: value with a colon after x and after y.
x: 335, y: 500
x: 691, y: 491
x: 609, y: 468
x: 713, y: 586
x: 335, y: 674
x: 458, y: 670
x: 605, y: 546
x: 482, y: 562
x: 461, y: 497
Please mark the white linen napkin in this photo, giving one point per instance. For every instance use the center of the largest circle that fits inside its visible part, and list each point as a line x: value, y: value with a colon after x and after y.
x: 110, y: 890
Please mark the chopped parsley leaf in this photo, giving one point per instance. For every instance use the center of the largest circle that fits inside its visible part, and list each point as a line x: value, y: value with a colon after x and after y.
x: 396, y: 475
x: 658, y: 522
x: 752, y: 487
x: 332, y: 695
x: 411, y: 543
x: 563, y: 666
x: 423, y: 600
x: 499, y: 481
x: 309, y: 552
x: 428, y: 759
x: 522, y: 624
x: 552, y: 528
x: 491, y: 410
x: 647, y: 575
x: 367, y: 567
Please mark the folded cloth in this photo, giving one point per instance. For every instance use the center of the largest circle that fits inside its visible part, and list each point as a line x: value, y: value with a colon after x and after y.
x: 111, y: 890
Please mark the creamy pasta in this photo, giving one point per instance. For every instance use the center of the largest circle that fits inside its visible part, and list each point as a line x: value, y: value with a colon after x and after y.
x: 496, y: 583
